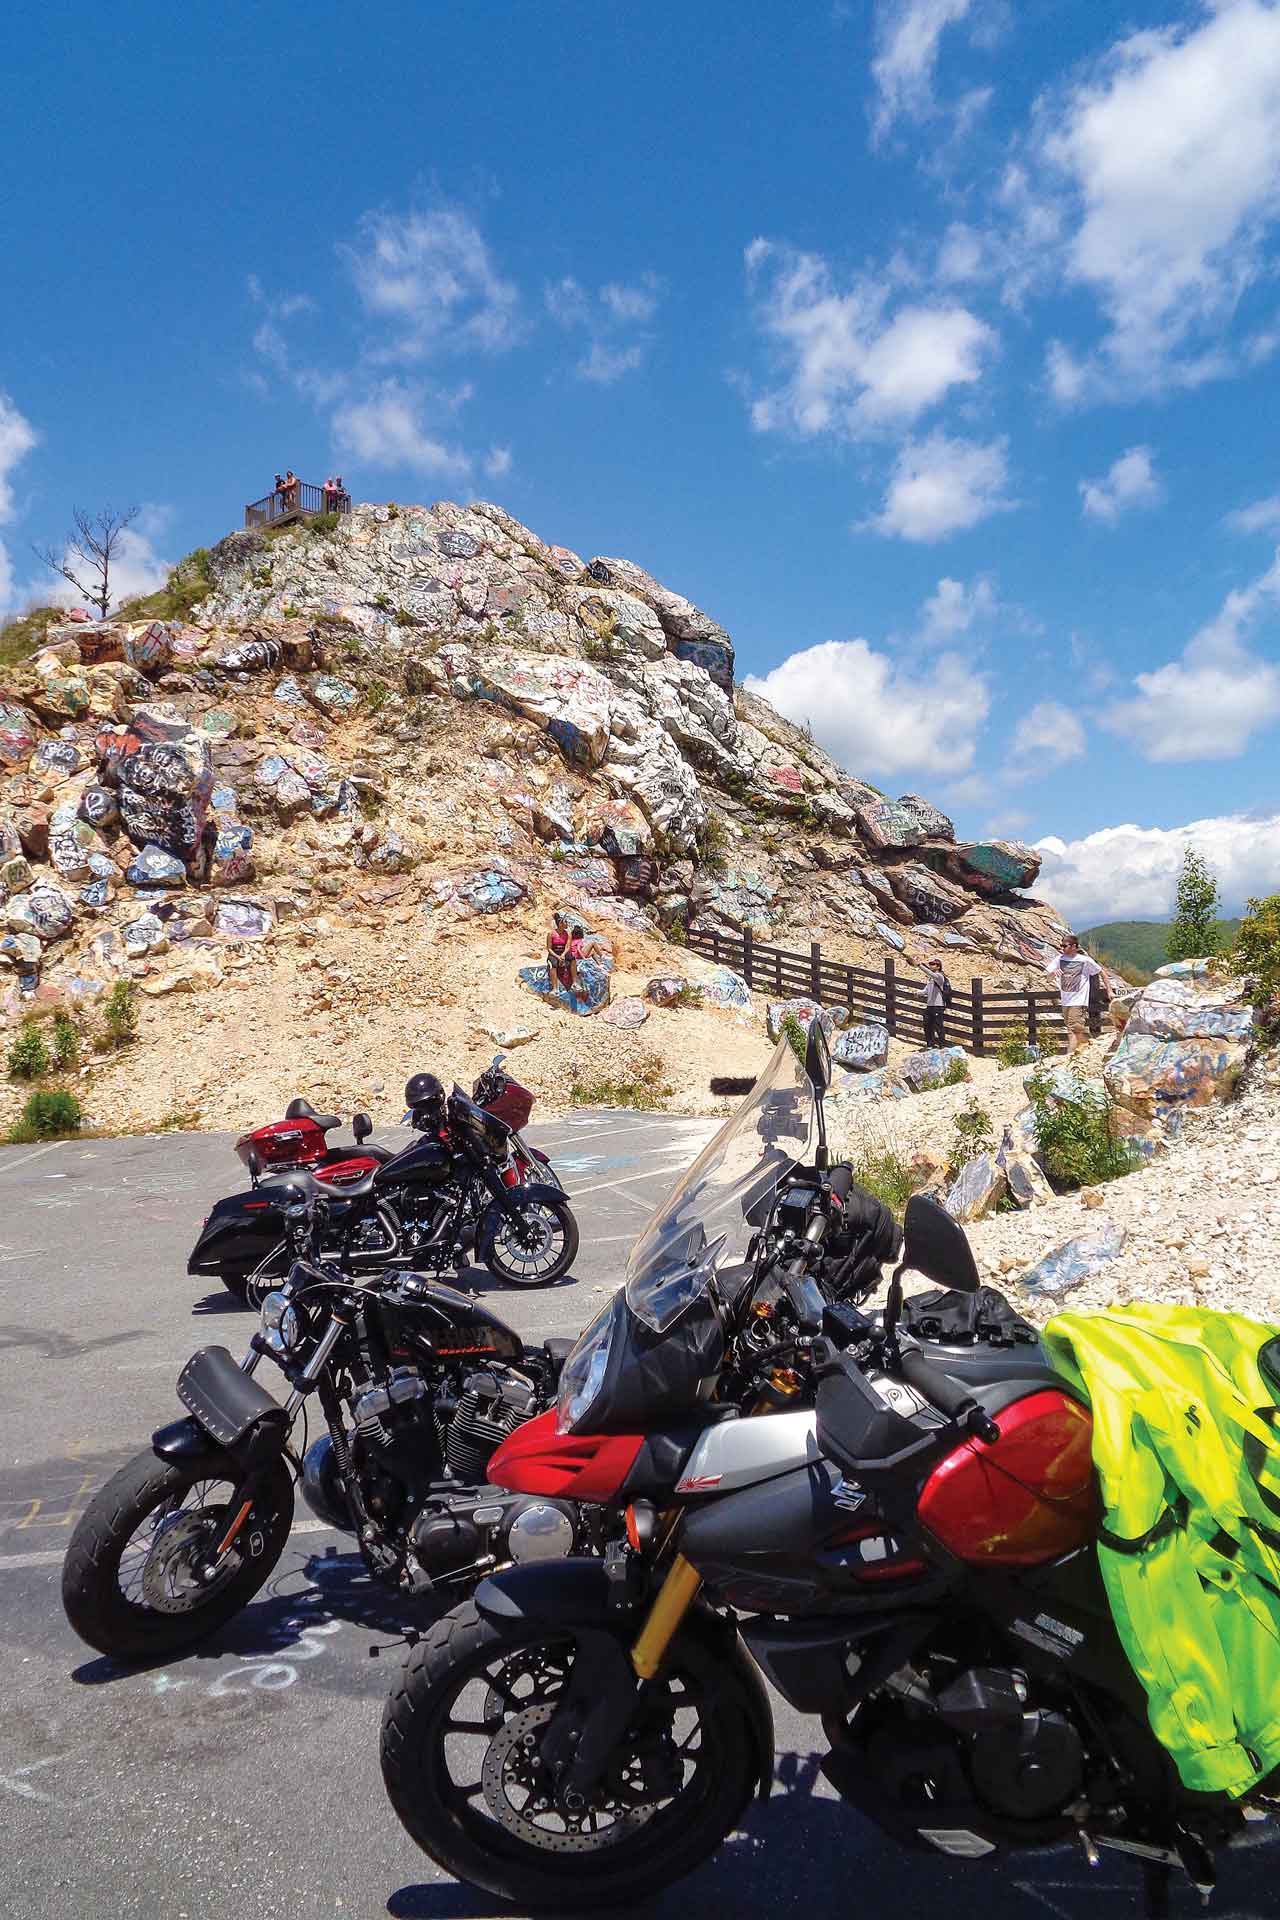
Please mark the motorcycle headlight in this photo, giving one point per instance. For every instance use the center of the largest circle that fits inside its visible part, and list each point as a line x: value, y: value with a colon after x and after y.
x: 582, y: 1375
x: 281, y: 1323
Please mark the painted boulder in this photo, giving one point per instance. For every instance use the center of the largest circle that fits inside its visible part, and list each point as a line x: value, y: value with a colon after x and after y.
x: 588, y: 995
x: 164, y: 777
x: 993, y: 866
x: 978, y: 1189
x: 1068, y: 1266
x: 862, y: 1049
x: 17, y: 735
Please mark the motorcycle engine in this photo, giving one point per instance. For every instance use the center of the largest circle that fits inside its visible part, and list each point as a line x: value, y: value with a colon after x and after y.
x: 397, y: 1439
x: 484, y: 1527
x: 490, y: 1406
x: 965, y: 1766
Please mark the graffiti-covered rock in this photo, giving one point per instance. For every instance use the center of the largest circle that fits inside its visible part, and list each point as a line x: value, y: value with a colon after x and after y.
x: 163, y: 774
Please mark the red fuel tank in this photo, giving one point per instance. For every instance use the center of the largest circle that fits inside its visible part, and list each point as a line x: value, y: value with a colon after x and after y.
x: 1029, y: 1497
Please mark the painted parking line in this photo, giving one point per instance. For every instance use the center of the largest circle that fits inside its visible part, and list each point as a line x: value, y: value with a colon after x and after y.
x: 608, y: 1186
x: 8, y: 1165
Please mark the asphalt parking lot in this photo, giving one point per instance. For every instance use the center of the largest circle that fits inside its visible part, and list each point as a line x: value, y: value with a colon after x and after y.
x: 242, y: 1782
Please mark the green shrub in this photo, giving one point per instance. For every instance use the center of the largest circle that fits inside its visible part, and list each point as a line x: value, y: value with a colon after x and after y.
x: 956, y: 1075
x: 886, y: 1174
x: 190, y: 582
x: 121, y: 1013
x: 713, y: 842
x: 1193, y: 932
x: 1078, y: 1142
x: 323, y: 523
x: 22, y: 637
x: 47, y: 1116
x: 66, y: 1041
x: 29, y: 1054
x: 971, y: 1131
x: 642, y: 1087
x: 1256, y: 955
x: 1014, y: 1049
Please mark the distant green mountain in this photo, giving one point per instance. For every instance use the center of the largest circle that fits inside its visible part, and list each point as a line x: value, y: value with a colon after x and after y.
x: 1140, y: 944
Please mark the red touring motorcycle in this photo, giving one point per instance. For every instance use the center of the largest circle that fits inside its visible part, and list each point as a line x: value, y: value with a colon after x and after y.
x: 908, y: 1556
x: 471, y: 1185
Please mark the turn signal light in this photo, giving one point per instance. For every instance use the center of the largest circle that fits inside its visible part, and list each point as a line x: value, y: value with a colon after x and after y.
x: 640, y: 1518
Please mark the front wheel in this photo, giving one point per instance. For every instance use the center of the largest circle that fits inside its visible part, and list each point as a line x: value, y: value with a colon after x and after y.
x: 139, y: 1581
x: 536, y: 1248
x: 461, y: 1736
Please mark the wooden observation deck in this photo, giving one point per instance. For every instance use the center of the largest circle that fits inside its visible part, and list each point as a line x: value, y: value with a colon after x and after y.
x: 298, y: 502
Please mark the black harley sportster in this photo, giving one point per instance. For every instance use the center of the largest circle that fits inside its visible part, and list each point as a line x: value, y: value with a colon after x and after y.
x: 456, y: 1192
x: 417, y: 1383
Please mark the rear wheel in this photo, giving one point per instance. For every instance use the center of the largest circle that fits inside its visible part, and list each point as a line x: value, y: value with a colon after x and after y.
x: 460, y: 1758
x: 138, y: 1582
x: 536, y: 1248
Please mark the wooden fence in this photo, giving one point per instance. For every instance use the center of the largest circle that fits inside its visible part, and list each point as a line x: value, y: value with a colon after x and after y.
x: 977, y: 1019
x: 297, y: 502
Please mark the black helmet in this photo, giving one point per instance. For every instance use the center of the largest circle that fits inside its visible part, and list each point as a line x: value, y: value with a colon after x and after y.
x: 423, y: 1090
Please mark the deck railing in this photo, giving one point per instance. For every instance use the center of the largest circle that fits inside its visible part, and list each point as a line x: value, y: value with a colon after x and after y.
x: 977, y: 1018
x: 297, y: 502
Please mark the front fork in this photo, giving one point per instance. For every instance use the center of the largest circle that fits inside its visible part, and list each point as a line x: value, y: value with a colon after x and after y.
x: 671, y: 1603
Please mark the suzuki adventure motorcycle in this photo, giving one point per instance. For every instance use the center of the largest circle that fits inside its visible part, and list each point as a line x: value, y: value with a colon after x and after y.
x: 417, y: 1384
x: 909, y: 1557
x: 456, y: 1191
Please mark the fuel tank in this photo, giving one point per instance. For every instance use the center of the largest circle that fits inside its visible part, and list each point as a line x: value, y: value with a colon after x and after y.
x: 453, y: 1325
x: 1027, y: 1498
x: 425, y: 1163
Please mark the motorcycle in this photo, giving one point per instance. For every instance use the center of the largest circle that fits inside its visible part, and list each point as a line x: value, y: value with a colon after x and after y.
x: 456, y: 1191
x: 499, y: 1094
x: 909, y: 1557
x: 417, y: 1383
x: 299, y: 1141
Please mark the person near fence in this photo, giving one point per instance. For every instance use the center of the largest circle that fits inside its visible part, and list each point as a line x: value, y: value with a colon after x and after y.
x: 1074, y: 971
x: 289, y: 491
x: 937, y: 998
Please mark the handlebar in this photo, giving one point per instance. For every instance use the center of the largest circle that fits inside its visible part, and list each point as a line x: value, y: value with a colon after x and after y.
x: 840, y: 1181
x: 952, y: 1400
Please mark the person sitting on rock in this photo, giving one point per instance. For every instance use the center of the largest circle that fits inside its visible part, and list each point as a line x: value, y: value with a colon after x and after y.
x: 561, y: 960
x: 1074, y: 971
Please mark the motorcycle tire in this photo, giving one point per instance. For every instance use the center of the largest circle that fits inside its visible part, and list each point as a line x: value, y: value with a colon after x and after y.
x: 567, y: 1869
x: 130, y: 1625
x: 504, y: 1259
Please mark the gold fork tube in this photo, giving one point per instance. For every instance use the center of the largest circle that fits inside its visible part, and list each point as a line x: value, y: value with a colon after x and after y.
x: 675, y: 1596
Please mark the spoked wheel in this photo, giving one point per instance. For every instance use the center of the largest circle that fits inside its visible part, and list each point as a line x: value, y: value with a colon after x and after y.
x: 264, y: 1278
x: 142, y: 1578
x: 461, y: 1758
x: 537, y: 1247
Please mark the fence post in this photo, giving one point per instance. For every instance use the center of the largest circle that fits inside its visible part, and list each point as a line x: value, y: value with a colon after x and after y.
x: 777, y: 971
x: 1032, y: 1034
x: 815, y: 970
x: 890, y: 1001
x: 977, y: 1015
x: 747, y: 956
x: 848, y: 992
x: 715, y: 946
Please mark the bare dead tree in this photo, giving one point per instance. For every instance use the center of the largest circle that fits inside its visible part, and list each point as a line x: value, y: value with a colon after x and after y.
x: 91, y: 547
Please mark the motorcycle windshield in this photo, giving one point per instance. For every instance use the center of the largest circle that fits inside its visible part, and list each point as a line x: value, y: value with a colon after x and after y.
x: 707, y: 1221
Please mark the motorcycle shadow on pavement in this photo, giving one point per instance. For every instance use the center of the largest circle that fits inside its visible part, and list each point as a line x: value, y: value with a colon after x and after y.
x: 220, y: 1301
x: 306, y: 1589
x: 804, y: 1851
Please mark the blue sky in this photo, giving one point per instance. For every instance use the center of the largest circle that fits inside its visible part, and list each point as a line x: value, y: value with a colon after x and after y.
x: 932, y: 346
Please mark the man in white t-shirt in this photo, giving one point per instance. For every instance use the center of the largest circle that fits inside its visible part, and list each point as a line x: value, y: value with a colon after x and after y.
x: 1074, y: 971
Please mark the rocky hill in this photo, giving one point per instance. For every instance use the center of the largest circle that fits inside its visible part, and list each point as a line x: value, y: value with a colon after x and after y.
x: 336, y: 797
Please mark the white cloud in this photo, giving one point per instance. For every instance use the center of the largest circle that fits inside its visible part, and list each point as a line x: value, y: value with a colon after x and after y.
x: 1007, y: 825
x: 604, y: 365
x: 941, y: 486
x: 873, y: 715
x: 432, y: 276
x: 1169, y: 156
x: 907, y: 37
x: 1047, y: 736
x: 387, y: 427
x: 136, y: 566
x: 1131, y: 481
x: 954, y: 608
x: 17, y: 438
x: 1208, y: 703
x: 1263, y: 516
x: 1131, y: 872
x: 850, y: 367
x: 611, y: 317
x: 497, y: 462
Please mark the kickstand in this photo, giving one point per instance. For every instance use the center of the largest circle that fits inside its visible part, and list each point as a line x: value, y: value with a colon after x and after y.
x: 1155, y: 1885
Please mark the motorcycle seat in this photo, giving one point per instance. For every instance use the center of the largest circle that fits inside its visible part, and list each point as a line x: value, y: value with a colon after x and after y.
x: 305, y: 1186
x: 303, y: 1110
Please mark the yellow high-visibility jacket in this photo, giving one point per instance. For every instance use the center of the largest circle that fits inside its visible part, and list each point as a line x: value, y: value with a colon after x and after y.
x: 1186, y: 1442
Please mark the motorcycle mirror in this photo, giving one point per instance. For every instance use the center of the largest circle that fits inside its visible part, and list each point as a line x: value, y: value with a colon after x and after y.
x: 817, y: 1056
x: 361, y: 1126
x: 254, y: 1163
x: 498, y: 1059
x: 935, y: 1245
